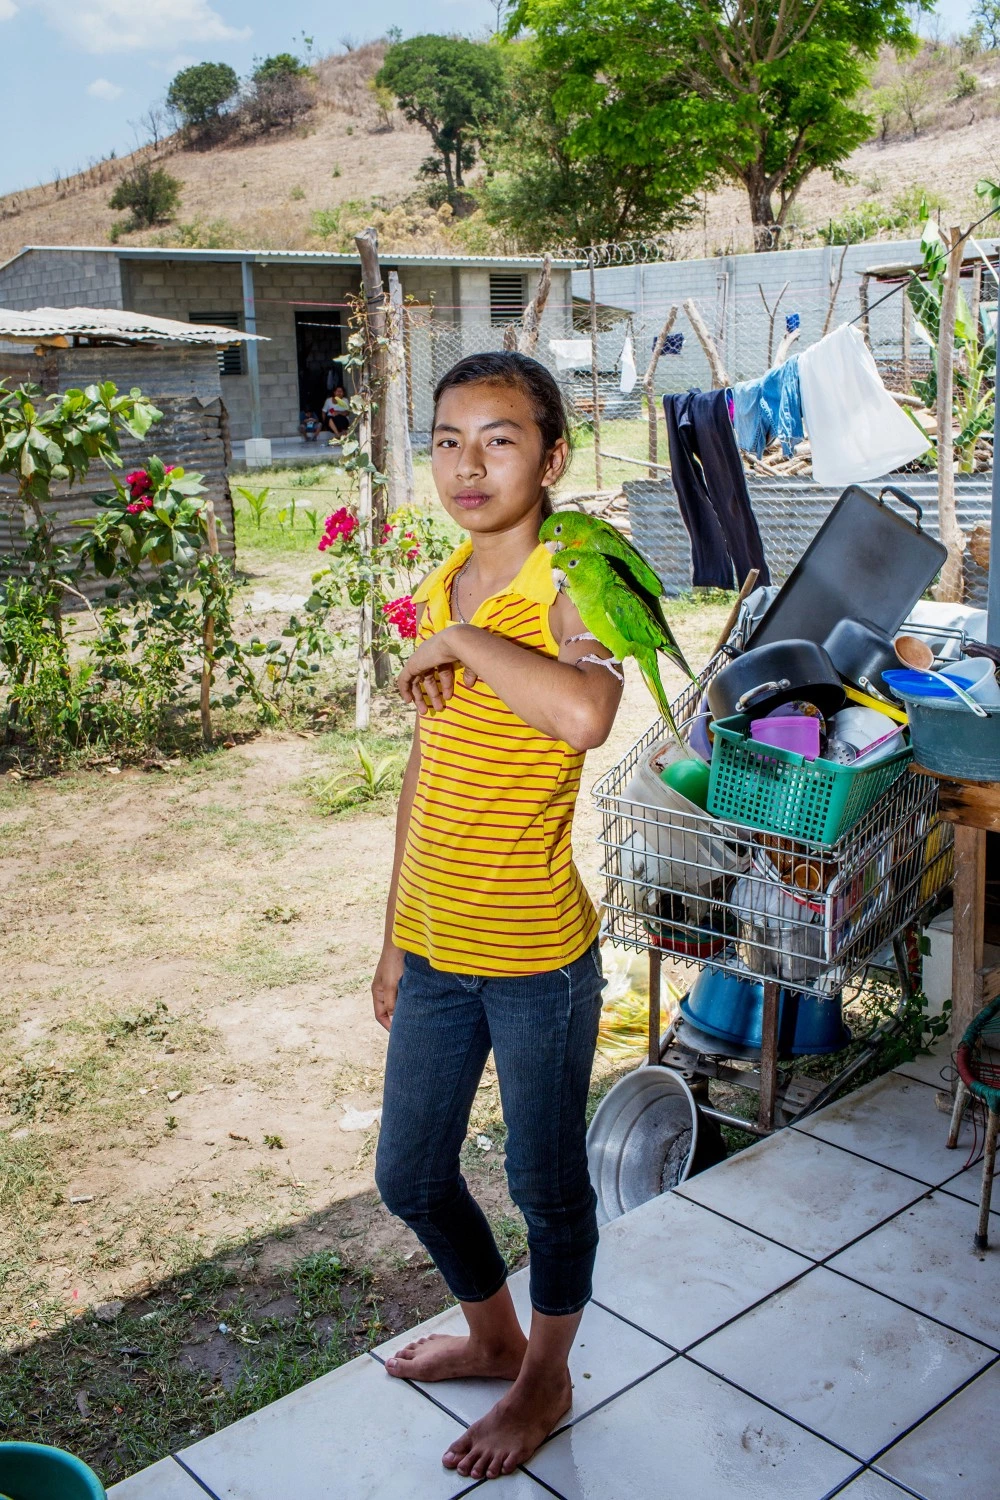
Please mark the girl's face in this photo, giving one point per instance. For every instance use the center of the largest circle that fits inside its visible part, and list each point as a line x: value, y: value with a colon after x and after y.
x: 487, y: 458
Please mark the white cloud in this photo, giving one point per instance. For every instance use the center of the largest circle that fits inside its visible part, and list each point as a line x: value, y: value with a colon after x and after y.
x: 101, y: 88
x: 100, y: 26
x: 8, y: 10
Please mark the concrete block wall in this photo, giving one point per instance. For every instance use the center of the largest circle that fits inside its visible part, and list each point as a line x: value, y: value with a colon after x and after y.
x: 175, y: 289
x: 51, y: 278
x: 727, y: 290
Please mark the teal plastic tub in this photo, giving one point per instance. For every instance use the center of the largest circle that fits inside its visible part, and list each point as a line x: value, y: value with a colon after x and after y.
x: 32, y: 1471
x: 951, y: 740
x: 781, y: 792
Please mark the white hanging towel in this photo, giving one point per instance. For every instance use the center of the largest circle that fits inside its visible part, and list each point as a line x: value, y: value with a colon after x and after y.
x: 627, y: 360
x: 571, y: 354
x: 856, y: 430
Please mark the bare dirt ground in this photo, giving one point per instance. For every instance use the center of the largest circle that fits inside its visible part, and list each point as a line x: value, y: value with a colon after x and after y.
x: 189, y: 1058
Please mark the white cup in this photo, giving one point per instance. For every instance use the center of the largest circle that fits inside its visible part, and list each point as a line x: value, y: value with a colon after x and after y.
x: 977, y: 674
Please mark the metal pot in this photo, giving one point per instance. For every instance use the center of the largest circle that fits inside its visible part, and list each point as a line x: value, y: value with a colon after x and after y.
x: 765, y: 677
x: 861, y: 652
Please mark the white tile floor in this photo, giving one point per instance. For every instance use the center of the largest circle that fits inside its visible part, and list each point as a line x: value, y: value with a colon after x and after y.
x: 807, y: 1320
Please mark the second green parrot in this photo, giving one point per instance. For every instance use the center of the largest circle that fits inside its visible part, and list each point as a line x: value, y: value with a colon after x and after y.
x: 621, y: 621
x: 572, y: 529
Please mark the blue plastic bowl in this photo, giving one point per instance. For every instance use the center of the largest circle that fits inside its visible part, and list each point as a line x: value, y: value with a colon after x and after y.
x: 732, y: 1010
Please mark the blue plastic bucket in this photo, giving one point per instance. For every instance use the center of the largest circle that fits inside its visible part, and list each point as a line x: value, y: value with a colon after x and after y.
x: 33, y: 1471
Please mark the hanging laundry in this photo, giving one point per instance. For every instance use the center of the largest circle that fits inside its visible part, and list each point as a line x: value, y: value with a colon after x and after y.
x: 629, y: 372
x: 672, y: 344
x: 769, y: 408
x: 571, y: 354
x: 792, y: 321
x: 707, y: 474
x: 856, y: 430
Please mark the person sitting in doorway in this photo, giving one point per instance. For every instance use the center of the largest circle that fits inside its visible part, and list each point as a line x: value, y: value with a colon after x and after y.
x: 337, y: 413
x: 310, y: 426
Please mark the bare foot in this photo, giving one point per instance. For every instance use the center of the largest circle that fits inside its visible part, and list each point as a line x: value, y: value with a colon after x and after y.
x: 513, y: 1429
x: 441, y: 1357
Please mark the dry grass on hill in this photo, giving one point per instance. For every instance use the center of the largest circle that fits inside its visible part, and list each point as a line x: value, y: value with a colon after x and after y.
x: 938, y: 119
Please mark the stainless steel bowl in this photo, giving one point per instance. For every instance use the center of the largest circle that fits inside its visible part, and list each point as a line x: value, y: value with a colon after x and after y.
x: 642, y: 1140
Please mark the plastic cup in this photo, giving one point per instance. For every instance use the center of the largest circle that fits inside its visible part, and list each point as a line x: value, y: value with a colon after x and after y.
x: 977, y: 674
x: 796, y: 732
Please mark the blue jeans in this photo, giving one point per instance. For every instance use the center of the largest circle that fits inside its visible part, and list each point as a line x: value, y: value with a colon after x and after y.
x: 543, y: 1030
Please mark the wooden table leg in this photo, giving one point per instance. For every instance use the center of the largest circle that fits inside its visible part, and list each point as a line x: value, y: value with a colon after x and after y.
x: 967, y: 936
x: 655, y: 960
x: 768, y: 1056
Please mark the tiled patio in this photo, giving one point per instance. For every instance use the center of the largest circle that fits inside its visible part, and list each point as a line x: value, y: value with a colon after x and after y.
x: 808, y: 1319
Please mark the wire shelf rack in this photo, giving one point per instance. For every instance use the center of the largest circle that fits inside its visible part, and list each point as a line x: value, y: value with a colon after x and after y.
x: 703, y: 890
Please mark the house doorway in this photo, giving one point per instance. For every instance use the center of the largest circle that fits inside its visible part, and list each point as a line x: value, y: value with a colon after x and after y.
x: 318, y: 346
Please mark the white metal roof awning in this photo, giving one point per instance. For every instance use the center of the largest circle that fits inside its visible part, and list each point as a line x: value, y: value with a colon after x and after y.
x: 60, y: 325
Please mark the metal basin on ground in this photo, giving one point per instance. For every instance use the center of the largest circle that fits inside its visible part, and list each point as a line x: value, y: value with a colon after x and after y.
x: 642, y: 1140
x: 732, y: 1009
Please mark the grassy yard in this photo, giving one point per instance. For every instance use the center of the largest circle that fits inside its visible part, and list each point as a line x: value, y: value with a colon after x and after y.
x: 189, y: 1064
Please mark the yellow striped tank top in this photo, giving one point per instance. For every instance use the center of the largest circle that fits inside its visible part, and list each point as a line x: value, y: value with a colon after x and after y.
x: 487, y: 883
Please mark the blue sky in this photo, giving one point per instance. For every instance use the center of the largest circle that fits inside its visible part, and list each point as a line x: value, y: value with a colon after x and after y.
x: 78, y: 71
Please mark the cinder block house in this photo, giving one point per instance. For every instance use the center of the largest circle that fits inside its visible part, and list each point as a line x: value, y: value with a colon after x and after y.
x: 299, y: 301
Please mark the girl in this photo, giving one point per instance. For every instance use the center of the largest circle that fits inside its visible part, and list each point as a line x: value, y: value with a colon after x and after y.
x: 490, y: 937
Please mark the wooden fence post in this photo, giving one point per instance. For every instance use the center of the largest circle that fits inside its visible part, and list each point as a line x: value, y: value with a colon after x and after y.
x: 376, y: 371
x: 949, y: 589
x: 532, y: 317
x: 208, y: 632
x: 647, y: 385
x: 594, y: 382
x: 363, y: 684
x: 720, y: 377
x: 399, y: 454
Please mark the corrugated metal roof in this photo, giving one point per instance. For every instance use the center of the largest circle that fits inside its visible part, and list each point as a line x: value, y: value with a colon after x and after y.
x: 319, y: 257
x: 48, y: 323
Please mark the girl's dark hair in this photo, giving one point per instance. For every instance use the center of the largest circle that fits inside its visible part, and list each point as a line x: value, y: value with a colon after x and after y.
x: 505, y: 367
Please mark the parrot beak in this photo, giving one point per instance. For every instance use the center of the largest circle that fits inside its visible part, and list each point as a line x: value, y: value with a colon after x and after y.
x: 555, y: 546
x: 559, y: 577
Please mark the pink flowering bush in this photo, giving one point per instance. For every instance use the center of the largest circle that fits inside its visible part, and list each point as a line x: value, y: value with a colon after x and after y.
x: 341, y: 526
x: 410, y: 543
x: 401, y: 614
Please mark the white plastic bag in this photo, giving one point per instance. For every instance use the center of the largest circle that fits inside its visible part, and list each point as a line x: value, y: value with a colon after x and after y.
x: 856, y: 430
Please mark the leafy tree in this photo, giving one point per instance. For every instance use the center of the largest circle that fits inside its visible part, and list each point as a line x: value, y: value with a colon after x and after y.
x: 986, y: 22
x: 281, y: 65
x: 150, y: 194
x: 199, y: 93
x: 757, y: 91
x: 451, y: 87
x: 540, y: 191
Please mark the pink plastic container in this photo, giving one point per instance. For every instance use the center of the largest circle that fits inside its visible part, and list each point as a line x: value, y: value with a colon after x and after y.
x: 797, y: 733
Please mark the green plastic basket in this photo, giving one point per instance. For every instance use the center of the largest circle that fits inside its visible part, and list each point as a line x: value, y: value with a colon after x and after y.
x: 764, y: 787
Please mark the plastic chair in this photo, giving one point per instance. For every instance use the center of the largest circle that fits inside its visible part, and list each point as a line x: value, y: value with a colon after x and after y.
x: 978, y: 1063
x: 32, y: 1471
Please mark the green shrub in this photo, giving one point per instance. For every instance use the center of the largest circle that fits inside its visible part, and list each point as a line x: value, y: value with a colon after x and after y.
x: 150, y: 194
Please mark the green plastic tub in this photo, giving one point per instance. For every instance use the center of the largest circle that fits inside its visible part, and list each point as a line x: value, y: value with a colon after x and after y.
x: 32, y: 1471
x: 781, y: 792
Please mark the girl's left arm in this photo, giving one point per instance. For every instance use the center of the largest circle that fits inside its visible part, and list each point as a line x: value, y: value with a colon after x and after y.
x: 565, y: 697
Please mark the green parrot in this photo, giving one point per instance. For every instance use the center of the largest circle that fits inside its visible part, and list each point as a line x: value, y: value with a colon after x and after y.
x: 622, y: 622
x: 572, y: 528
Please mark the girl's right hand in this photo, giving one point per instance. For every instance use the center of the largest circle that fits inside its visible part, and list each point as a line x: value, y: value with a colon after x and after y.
x: 385, y: 983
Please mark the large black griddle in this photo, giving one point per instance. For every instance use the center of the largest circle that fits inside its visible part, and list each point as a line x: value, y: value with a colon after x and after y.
x: 864, y: 563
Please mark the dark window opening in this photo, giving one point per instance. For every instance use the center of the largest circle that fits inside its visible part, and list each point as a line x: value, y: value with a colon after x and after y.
x: 231, y: 357
x: 318, y: 347
x: 507, y: 297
